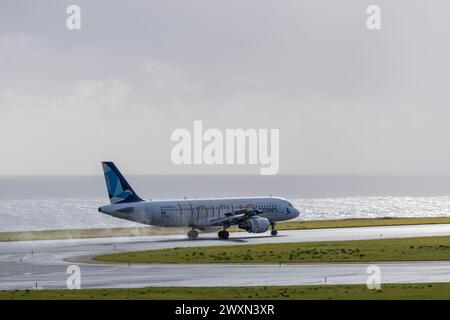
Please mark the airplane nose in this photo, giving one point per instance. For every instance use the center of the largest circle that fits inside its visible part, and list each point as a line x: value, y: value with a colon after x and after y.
x: 297, y: 212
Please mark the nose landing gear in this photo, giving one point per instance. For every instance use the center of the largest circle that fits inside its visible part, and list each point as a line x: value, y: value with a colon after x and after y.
x: 273, y: 231
x: 192, y: 234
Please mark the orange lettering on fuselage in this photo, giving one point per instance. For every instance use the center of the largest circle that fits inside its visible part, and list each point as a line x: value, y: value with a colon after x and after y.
x: 224, y: 206
x: 198, y: 212
x: 192, y: 213
x: 180, y: 209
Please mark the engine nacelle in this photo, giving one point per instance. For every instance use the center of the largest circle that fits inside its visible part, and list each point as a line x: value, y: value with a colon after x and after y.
x: 255, y: 225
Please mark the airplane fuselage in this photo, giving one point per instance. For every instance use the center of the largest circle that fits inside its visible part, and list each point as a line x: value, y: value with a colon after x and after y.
x: 199, y: 213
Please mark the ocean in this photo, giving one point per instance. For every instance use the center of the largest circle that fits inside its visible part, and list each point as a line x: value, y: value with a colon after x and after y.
x: 51, y: 203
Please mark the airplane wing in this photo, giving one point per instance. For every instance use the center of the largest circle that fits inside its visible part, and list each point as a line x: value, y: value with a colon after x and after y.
x: 236, y: 217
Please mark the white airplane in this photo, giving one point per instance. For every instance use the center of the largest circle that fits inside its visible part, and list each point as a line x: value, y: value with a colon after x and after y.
x: 254, y: 215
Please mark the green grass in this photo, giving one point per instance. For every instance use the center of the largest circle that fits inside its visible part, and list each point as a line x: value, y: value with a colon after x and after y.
x: 149, y: 231
x: 409, y: 249
x: 369, y: 222
x: 323, y: 292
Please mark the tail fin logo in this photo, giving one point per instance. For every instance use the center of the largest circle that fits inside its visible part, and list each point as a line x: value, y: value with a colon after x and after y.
x: 118, y: 189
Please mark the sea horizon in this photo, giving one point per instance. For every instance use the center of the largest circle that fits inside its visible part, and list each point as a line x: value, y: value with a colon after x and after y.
x: 71, y: 202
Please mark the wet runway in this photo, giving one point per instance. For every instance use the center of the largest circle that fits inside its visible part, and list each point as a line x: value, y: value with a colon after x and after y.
x: 26, y: 264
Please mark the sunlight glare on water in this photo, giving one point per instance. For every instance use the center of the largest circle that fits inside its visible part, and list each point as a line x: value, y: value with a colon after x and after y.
x: 43, y: 214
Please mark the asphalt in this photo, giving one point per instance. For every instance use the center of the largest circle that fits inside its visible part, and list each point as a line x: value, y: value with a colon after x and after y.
x: 43, y: 264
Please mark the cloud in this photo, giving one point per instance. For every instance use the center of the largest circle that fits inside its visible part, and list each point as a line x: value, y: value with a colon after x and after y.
x: 372, y: 102
x: 82, y: 94
x: 15, y: 40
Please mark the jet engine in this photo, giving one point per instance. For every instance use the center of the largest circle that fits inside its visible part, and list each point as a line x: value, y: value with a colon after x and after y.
x: 255, y: 225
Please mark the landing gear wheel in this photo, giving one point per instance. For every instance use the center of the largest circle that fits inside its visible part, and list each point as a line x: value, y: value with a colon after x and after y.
x: 192, y: 234
x: 274, y: 231
x: 224, y: 234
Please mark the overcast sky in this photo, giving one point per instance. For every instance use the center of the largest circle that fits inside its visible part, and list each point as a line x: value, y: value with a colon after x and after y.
x: 346, y: 100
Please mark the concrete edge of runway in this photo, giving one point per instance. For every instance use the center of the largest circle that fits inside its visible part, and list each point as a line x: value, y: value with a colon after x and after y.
x: 88, y: 260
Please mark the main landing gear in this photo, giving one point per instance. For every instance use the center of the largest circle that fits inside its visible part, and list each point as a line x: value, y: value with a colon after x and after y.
x: 192, y: 234
x: 274, y: 231
x: 224, y: 234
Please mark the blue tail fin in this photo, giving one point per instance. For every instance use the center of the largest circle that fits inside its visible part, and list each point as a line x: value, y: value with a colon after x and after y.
x: 119, y: 190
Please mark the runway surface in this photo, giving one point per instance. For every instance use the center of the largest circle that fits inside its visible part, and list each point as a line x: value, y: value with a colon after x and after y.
x: 27, y: 264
